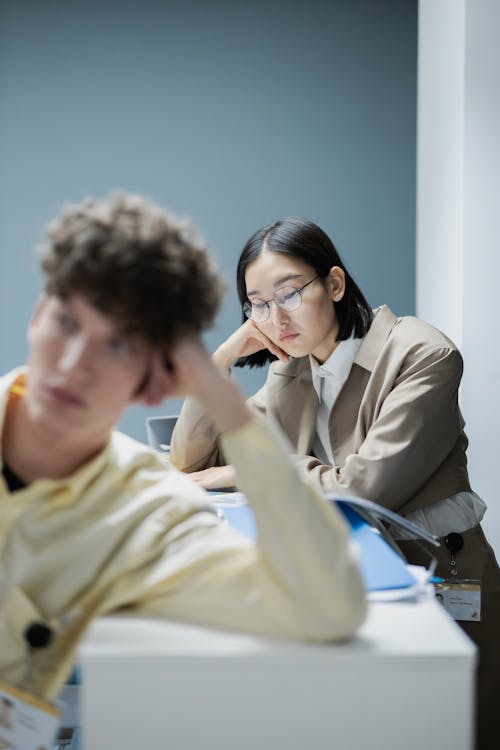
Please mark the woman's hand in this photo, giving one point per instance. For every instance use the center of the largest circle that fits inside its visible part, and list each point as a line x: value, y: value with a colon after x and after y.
x: 246, y: 340
x: 215, y: 478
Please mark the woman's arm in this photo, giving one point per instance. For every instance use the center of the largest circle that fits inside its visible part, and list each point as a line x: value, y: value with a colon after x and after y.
x: 196, y: 448
x: 195, y: 441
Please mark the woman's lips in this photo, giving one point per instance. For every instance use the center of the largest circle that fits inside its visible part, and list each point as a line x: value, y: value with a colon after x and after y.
x: 288, y: 336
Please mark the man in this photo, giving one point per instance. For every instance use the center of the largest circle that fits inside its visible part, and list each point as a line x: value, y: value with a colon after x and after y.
x: 90, y: 520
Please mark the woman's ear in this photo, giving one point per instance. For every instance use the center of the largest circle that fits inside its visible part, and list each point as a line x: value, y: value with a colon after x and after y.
x: 336, y: 283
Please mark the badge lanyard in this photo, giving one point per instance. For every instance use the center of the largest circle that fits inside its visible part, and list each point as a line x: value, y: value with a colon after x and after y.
x: 461, y: 597
x: 26, y: 720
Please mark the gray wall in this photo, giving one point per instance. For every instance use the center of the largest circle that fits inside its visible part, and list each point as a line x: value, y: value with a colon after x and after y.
x: 235, y: 113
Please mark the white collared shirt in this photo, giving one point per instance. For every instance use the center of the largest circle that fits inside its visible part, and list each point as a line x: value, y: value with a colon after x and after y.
x: 328, y: 380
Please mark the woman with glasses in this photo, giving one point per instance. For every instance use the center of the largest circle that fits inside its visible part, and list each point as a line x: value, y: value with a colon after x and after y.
x: 368, y: 400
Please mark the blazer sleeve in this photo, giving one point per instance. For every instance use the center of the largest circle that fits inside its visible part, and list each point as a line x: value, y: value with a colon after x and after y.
x: 195, y: 443
x: 415, y: 427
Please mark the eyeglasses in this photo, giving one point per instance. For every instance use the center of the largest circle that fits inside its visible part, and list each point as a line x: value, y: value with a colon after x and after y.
x: 287, y: 298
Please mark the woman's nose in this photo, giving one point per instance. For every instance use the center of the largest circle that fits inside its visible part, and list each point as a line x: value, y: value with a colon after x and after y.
x: 277, y: 315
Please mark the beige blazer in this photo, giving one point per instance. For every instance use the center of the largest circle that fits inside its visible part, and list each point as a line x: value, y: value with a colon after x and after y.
x: 396, y: 427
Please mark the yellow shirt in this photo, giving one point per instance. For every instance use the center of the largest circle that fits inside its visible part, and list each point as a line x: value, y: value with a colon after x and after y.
x: 125, y: 531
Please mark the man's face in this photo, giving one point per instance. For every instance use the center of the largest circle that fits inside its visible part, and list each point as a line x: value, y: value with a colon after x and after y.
x: 82, y: 371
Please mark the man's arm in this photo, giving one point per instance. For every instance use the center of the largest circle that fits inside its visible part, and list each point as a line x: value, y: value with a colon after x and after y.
x: 195, y: 442
x: 196, y: 446
x: 300, y: 579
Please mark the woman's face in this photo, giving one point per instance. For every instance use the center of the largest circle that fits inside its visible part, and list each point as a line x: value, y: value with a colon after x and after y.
x: 313, y: 327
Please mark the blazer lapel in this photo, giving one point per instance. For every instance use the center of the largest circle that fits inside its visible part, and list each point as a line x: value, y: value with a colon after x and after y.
x: 345, y: 423
x: 345, y: 414
x: 294, y: 404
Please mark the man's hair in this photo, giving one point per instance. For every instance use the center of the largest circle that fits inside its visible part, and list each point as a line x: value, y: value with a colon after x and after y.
x: 133, y: 261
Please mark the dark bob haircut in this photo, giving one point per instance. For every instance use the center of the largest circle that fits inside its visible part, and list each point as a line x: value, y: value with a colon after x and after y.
x: 304, y: 240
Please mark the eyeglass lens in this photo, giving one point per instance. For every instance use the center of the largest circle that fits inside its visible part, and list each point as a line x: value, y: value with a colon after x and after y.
x: 287, y: 298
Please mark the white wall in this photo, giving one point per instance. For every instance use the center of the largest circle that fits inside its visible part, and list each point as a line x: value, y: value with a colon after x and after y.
x: 440, y: 136
x: 458, y: 209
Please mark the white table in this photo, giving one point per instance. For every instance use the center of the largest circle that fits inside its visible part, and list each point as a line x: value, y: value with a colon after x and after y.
x: 405, y: 681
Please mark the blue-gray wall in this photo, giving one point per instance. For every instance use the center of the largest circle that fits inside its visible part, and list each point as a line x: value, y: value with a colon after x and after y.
x: 235, y: 113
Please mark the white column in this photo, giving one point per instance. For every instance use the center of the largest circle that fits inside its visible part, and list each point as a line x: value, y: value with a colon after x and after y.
x: 458, y: 210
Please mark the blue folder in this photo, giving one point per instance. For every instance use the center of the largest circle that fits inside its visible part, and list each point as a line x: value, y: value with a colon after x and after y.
x: 381, y: 567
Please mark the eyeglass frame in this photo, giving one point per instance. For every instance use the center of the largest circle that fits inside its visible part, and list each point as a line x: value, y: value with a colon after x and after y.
x: 248, y: 304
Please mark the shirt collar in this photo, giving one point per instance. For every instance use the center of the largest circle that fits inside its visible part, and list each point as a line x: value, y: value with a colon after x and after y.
x: 338, y: 365
x: 81, y: 476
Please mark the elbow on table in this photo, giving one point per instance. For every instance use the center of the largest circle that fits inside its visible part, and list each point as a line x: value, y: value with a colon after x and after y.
x: 336, y: 620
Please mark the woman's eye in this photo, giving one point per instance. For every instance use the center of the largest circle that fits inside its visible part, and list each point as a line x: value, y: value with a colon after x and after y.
x: 285, y: 295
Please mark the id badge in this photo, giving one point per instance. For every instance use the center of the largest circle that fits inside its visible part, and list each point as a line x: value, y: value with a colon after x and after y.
x: 26, y: 722
x: 460, y: 598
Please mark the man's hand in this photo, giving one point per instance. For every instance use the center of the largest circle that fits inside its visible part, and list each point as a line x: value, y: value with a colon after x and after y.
x: 169, y: 380
x: 160, y: 382
x: 190, y: 371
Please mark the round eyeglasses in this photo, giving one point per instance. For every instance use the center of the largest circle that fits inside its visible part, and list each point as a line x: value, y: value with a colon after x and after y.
x: 287, y: 298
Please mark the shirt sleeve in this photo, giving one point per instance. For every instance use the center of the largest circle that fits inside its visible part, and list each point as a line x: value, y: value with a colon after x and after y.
x: 300, y: 579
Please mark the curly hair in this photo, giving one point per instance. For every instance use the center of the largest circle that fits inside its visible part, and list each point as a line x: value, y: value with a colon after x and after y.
x: 135, y: 262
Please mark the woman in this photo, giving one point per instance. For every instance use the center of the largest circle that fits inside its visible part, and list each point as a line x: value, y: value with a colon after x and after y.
x: 368, y: 400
